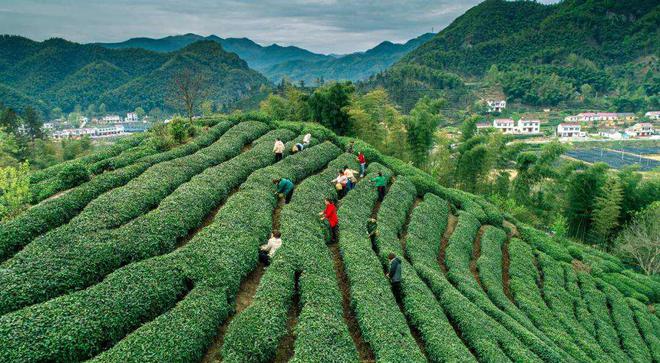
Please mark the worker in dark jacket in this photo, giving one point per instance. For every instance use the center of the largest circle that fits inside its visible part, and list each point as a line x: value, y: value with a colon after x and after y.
x: 285, y: 187
x: 394, y: 274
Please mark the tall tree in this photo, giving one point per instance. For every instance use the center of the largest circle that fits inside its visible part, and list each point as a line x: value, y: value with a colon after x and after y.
x: 33, y: 123
x: 187, y: 90
x: 606, y: 212
x: 328, y: 106
x: 640, y: 240
x: 468, y: 128
x: 421, y: 126
x: 581, y: 192
x: 9, y: 120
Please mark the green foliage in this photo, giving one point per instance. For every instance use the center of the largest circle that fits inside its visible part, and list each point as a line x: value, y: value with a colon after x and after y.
x: 67, y: 74
x: 72, y: 175
x: 14, y: 190
x: 328, y: 106
x: 606, y: 211
x: 16, y: 233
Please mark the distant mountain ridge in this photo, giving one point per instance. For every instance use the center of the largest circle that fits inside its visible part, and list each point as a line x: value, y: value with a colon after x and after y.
x: 59, y: 73
x: 592, y: 42
x: 277, y: 62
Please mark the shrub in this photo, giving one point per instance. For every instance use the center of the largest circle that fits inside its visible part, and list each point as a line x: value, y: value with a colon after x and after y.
x: 103, y: 314
x: 73, y: 175
x: 90, y: 254
x: 18, y: 232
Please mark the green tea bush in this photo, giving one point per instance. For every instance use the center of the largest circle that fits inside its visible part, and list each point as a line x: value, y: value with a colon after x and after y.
x: 303, y: 253
x: 20, y: 231
x: 489, y: 266
x: 88, y: 257
x: 427, y: 223
x: 73, y: 175
x: 644, y: 321
x: 624, y: 322
x: 101, y: 315
x: 116, y: 149
x: 458, y: 256
x: 564, y: 307
x: 527, y: 294
x: 596, y: 303
x: 629, y: 286
x: 382, y: 325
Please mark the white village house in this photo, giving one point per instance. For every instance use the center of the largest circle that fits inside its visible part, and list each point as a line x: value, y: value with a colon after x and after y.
x: 131, y: 117
x: 600, y: 116
x: 641, y: 129
x: 508, y: 126
x: 496, y: 105
x: 653, y: 115
x: 569, y: 129
x: 109, y: 119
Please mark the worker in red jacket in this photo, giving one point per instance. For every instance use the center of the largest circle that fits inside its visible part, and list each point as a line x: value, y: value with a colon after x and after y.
x: 363, y: 164
x: 330, y: 213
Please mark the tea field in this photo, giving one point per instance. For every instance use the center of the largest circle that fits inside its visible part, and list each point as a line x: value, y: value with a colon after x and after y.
x: 155, y: 259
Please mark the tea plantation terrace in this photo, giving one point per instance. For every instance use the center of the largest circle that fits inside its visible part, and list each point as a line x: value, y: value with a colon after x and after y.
x: 155, y: 259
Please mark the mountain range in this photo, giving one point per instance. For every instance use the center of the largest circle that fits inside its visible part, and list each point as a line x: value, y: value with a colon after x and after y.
x: 543, y: 54
x: 293, y: 63
x: 59, y: 73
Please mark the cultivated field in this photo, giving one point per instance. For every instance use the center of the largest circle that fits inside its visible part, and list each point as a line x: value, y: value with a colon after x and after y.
x: 618, y: 158
x: 155, y: 260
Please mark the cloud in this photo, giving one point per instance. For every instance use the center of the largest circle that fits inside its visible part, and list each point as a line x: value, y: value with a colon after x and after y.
x: 327, y: 26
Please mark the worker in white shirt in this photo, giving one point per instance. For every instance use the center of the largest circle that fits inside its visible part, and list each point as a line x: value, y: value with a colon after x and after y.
x: 267, y: 251
x: 307, y: 139
x: 340, y: 183
x: 350, y: 176
x: 278, y: 149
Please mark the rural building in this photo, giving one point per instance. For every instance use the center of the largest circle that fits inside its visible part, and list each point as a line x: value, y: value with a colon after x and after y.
x: 613, y: 134
x: 88, y: 131
x: 653, y: 115
x: 131, y: 117
x: 609, y: 118
x: 570, y: 129
x: 642, y: 129
x: 111, y: 119
x: 496, y: 105
x: 528, y: 127
x: 483, y: 125
x: 506, y: 125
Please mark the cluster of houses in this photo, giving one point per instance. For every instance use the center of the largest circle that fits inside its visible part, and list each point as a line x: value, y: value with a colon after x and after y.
x: 638, y: 130
x: 609, y: 124
x: 114, y: 125
x: 508, y: 126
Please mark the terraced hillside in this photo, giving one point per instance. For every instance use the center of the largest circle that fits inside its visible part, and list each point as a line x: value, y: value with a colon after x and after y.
x: 154, y: 259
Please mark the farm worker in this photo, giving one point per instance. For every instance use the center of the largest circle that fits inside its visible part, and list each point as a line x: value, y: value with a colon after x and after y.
x: 330, y: 213
x: 381, y: 182
x: 307, y: 139
x: 363, y: 163
x: 350, y: 177
x: 340, y: 183
x: 297, y: 147
x: 278, y: 149
x: 394, y: 274
x: 267, y: 251
x: 371, y: 230
x: 284, y: 186
x: 349, y: 149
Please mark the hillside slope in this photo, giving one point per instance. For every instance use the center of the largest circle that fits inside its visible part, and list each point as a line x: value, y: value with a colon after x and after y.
x: 164, y: 266
x: 63, y: 74
x: 594, y: 42
x: 277, y: 62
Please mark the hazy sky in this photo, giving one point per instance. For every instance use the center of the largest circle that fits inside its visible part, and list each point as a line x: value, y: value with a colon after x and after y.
x: 326, y: 26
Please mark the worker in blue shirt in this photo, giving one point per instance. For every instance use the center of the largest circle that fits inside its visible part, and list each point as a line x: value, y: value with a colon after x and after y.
x: 284, y: 186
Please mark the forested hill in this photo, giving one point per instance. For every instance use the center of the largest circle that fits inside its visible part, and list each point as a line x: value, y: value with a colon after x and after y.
x: 354, y: 67
x: 277, y: 62
x: 593, y: 42
x: 257, y: 56
x: 59, y: 73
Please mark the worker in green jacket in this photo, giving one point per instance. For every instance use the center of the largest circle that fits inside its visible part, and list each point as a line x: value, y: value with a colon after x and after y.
x: 285, y: 187
x: 381, y: 183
